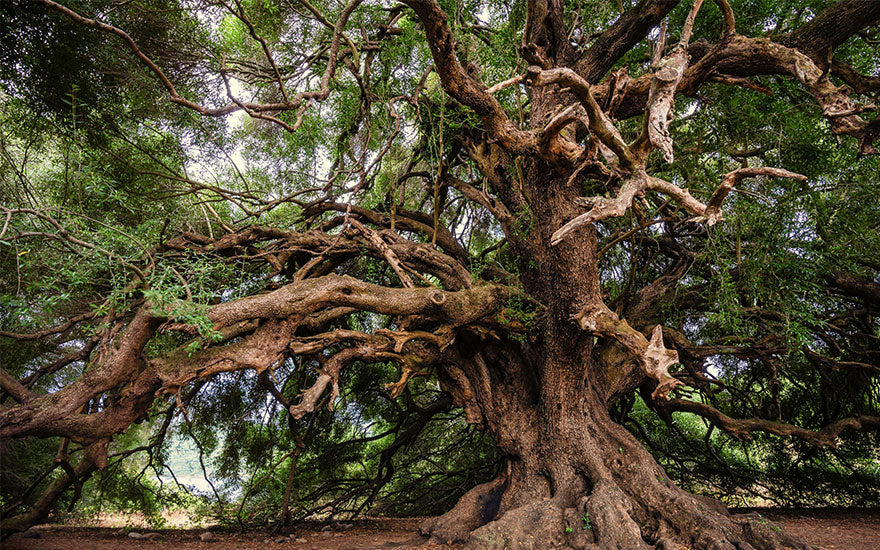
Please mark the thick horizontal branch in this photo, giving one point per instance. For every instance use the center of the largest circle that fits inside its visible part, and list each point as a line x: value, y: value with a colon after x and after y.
x: 306, y: 297
x: 12, y: 386
x: 854, y: 285
x: 268, y: 323
x: 826, y: 437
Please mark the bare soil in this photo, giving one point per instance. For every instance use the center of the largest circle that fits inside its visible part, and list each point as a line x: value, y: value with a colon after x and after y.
x: 366, y: 534
x: 825, y: 529
x: 828, y: 529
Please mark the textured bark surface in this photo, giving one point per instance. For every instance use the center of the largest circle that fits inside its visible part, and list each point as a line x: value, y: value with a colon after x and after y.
x: 576, y: 479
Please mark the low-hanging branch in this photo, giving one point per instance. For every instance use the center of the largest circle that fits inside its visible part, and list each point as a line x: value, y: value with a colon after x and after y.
x: 827, y: 436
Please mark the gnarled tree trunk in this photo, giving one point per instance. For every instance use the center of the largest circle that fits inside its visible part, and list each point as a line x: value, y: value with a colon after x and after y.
x: 575, y: 478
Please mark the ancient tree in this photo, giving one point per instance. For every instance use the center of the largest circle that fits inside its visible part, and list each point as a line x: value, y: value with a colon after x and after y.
x: 551, y: 208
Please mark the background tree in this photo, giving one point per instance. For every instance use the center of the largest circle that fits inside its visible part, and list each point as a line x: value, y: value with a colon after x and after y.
x: 514, y: 209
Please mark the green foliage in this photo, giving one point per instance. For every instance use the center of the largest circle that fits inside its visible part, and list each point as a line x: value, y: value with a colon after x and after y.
x: 587, y: 523
x: 521, y: 314
x: 766, y: 469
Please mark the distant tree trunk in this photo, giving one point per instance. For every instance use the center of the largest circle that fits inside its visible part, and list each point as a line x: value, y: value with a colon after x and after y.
x: 288, y: 487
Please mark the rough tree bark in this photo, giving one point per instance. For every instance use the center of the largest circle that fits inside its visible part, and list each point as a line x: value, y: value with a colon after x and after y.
x: 575, y: 478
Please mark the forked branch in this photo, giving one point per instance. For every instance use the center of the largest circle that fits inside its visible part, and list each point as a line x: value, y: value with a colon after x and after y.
x: 603, y: 208
x: 652, y: 356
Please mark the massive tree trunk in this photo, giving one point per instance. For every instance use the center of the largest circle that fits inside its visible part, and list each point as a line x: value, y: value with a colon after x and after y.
x: 574, y: 478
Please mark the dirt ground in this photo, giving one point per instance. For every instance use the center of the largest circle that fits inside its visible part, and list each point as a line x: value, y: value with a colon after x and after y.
x: 828, y: 529
x: 825, y: 529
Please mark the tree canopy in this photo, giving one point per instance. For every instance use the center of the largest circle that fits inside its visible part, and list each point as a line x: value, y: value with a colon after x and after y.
x: 386, y: 256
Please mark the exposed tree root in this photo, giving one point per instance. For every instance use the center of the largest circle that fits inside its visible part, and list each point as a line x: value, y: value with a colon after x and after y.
x: 533, y: 526
x: 608, y: 514
x: 475, y: 508
x: 608, y: 518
